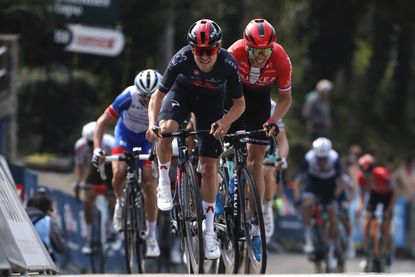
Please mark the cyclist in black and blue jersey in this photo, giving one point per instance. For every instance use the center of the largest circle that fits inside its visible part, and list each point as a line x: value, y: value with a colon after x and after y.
x: 195, y: 81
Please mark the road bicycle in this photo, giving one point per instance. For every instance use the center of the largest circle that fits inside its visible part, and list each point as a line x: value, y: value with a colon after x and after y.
x: 134, y: 224
x: 239, y: 220
x: 187, y: 212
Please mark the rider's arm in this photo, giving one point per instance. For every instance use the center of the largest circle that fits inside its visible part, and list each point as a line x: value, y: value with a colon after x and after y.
x: 236, y: 110
x: 154, y: 107
x: 283, y: 104
x: 283, y: 146
x: 103, y: 121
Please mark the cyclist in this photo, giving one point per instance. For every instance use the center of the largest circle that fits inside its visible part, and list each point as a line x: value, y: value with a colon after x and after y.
x: 131, y: 106
x: 195, y: 82
x: 273, y: 163
x: 378, y: 183
x: 321, y: 170
x: 87, y: 177
x: 262, y: 62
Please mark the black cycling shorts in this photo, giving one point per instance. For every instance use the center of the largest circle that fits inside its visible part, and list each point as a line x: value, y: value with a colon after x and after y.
x: 257, y: 112
x: 377, y: 198
x: 324, y: 190
x: 208, y: 108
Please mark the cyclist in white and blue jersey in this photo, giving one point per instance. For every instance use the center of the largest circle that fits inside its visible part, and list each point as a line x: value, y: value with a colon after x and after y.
x: 131, y: 109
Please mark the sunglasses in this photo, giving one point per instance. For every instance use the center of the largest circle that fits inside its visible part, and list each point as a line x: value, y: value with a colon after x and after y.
x: 256, y: 51
x: 209, y: 51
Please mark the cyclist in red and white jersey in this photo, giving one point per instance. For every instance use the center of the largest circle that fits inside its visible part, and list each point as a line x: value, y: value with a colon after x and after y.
x: 262, y: 63
x: 378, y: 182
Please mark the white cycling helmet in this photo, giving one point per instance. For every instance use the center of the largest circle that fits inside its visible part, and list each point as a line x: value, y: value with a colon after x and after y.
x: 147, y: 81
x: 88, y: 131
x: 322, y: 147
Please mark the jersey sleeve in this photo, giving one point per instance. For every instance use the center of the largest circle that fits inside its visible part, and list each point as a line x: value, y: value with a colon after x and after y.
x: 121, y: 103
x: 172, y: 71
x: 233, y: 83
x: 284, y: 70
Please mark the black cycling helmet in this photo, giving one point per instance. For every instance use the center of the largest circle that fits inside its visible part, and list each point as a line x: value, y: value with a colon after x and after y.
x: 204, y: 33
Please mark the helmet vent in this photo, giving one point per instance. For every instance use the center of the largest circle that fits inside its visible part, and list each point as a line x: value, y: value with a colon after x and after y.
x: 261, y: 30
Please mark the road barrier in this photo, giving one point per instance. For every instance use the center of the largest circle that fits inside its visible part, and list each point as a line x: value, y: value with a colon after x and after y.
x: 19, y: 240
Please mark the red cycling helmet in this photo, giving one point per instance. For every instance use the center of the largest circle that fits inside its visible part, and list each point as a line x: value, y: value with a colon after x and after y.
x: 259, y: 33
x: 366, y: 162
x: 204, y: 33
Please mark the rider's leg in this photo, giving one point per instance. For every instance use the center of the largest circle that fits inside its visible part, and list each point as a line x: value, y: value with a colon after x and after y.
x: 308, y: 202
x: 119, y: 170
x: 90, y: 196
x: 333, y: 232
x: 150, y: 197
x: 209, y: 190
x: 255, y: 159
x: 164, y: 154
x: 270, y: 190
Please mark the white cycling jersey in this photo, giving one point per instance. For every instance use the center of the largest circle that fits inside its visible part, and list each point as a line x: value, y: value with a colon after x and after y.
x: 83, y: 151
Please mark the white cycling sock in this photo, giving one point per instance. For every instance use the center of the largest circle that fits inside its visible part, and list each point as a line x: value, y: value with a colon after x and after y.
x: 255, y: 230
x: 152, y: 227
x: 164, y: 177
x: 307, y: 233
x: 119, y: 201
x: 266, y: 204
x: 89, y: 232
x: 209, y: 211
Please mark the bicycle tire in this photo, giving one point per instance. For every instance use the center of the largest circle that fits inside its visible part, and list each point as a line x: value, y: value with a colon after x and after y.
x: 225, y: 226
x: 134, y: 243
x: 191, y: 208
x: 251, y: 214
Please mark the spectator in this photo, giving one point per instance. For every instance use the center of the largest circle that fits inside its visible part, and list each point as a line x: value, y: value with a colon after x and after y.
x: 405, y: 178
x: 40, y: 211
x: 317, y: 111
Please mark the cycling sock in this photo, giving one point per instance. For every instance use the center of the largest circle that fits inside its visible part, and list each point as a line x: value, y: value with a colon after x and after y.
x: 119, y: 201
x: 209, y: 211
x: 164, y: 169
x: 307, y: 233
x: 89, y: 232
x: 266, y: 204
x: 152, y: 226
x: 331, y: 247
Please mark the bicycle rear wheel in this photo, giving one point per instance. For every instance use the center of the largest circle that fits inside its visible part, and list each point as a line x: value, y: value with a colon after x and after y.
x: 252, y: 223
x: 191, y: 207
x: 225, y: 226
x: 134, y: 242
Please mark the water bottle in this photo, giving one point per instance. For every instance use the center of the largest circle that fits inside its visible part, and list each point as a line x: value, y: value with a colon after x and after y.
x: 231, y: 186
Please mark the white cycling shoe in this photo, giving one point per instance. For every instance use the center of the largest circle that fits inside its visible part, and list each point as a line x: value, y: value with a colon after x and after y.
x: 164, y: 198
x: 211, y: 246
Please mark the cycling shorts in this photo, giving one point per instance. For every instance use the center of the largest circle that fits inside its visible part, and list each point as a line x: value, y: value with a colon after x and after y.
x: 126, y: 140
x: 208, y: 108
x: 94, y: 179
x: 377, y: 198
x: 324, y: 190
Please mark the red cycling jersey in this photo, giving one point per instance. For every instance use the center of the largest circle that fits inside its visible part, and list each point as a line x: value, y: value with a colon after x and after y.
x: 381, y: 182
x: 278, y: 67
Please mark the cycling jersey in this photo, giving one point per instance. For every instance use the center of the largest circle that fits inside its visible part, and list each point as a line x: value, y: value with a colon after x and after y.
x: 191, y: 90
x: 277, y: 69
x: 257, y: 87
x: 321, y: 178
x: 133, y: 115
x: 83, y: 157
x: 83, y: 150
x: 380, y: 181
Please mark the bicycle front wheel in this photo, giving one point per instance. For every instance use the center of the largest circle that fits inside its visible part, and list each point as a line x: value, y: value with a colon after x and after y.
x: 252, y: 223
x: 191, y: 207
x: 225, y: 226
x: 134, y: 242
